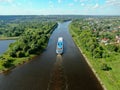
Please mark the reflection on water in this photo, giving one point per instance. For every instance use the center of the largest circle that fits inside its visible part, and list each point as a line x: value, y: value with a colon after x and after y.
x: 4, y: 44
x: 7, y: 72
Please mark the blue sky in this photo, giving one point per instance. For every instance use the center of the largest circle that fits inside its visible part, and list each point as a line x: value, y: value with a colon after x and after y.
x: 61, y: 7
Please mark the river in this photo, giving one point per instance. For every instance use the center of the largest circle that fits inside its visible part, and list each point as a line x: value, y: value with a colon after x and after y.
x: 36, y: 75
x: 4, y: 44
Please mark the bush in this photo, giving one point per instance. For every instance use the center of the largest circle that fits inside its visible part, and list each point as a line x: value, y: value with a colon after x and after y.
x: 105, y: 55
x: 12, y: 53
x: 105, y: 67
x: 20, y: 54
x: 26, y: 47
x: 30, y: 51
x: 73, y: 35
x: 27, y: 54
x: 16, y: 47
x: 97, y: 52
x: 8, y: 63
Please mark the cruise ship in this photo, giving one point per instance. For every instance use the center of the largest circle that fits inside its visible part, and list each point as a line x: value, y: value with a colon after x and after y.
x: 59, y: 48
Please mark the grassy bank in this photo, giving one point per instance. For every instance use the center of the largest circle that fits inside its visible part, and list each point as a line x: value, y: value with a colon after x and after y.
x: 110, y: 78
x: 8, y: 38
x: 29, y: 45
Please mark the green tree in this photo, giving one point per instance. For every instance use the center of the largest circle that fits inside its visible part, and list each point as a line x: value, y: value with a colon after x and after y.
x: 8, y: 63
x: 20, y: 54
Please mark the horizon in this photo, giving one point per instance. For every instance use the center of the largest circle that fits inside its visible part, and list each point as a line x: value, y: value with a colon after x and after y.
x: 58, y: 15
x: 60, y: 7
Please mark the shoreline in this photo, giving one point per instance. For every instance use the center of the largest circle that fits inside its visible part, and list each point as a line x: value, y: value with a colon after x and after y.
x: 93, y: 70
x: 25, y: 61
x: 90, y: 65
x: 8, y: 38
x: 88, y: 62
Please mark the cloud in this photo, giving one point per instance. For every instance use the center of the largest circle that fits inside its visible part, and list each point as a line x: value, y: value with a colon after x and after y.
x: 11, y: 3
x: 96, y: 6
x: 71, y: 4
x: 75, y: 0
x: 51, y: 4
x: 112, y: 5
x: 8, y: 1
x: 84, y: 0
x: 59, y: 1
x: 82, y: 4
x: 113, y: 2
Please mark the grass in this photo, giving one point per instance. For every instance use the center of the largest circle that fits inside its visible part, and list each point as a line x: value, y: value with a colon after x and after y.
x: 111, y: 78
x: 16, y: 62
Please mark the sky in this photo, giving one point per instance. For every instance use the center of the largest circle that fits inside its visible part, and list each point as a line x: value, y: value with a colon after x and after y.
x: 59, y: 7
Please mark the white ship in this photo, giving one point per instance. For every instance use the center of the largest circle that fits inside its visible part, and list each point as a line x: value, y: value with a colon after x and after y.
x: 59, y: 48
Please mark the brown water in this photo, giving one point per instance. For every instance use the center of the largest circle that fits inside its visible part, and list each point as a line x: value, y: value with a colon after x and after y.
x: 36, y: 75
x: 58, y: 80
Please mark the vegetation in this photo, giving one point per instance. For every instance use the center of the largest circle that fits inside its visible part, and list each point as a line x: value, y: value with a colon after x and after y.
x: 33, y: 38
x: 14, y: 26
x: 98, y: 39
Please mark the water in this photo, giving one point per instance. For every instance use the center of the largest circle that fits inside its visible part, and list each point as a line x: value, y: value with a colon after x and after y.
x: 36, y: 75
x: 4, y: 44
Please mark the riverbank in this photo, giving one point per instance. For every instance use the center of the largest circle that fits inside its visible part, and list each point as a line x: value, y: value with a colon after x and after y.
x: 8, y: 38
x: 75, y: 39
x: 18, y: 63
x: 105, y: 60
x: 94, y: 71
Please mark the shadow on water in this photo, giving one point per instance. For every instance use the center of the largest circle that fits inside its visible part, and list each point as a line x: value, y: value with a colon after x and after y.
x: 6, y: 72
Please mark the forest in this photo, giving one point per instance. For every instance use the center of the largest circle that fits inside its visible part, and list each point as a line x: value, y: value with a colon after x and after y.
x: 14, y: 26
x: 99, y: 40
x: 32, y: 37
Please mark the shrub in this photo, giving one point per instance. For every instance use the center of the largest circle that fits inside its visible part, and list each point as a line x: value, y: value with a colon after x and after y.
x: 27, y: 54
x: 8, y: 63
x: 105, y: 67
x: 12, y: 53
x: 20, y: 54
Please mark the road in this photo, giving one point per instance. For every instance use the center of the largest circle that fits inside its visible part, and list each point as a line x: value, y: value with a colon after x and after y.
x: 36, y: 75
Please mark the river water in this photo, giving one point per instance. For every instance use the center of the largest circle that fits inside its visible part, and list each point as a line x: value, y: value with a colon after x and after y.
x: 36, y: 74
x: 4, y: 44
